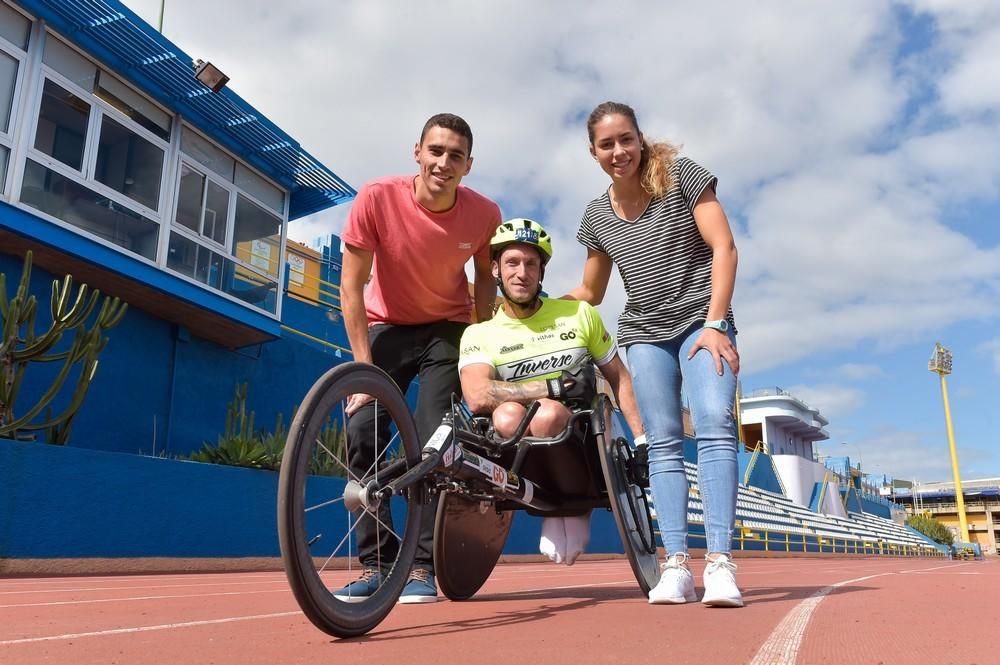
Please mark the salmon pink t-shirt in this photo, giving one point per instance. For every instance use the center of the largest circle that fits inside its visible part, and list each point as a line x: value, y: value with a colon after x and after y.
x: 418, y: 270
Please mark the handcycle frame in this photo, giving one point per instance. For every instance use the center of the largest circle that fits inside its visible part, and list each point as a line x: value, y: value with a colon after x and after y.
x: 481, y: 481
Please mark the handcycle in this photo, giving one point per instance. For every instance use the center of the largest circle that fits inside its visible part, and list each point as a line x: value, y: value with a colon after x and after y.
x: 481, y: 480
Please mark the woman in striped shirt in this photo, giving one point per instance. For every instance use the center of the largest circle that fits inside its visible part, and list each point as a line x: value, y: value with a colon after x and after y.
x: 663, y: 226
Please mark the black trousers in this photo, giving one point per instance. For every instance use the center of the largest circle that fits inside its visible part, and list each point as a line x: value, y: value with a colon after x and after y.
x: 430, y: 352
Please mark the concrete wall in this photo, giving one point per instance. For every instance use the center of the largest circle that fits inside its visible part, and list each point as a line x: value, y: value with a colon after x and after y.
x: 65, y: 502
x: 799, y: 476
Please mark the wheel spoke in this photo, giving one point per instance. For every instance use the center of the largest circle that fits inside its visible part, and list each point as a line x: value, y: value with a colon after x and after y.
x: 324, y: 504
x: 336, y: 549
x: 384, y: 525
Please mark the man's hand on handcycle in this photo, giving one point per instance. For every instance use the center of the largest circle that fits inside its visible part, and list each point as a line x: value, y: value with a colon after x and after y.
x: 566, y: 386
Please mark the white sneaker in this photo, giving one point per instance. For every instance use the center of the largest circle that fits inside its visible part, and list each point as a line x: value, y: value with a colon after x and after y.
x: 720, y: 583
x: 676, y: 583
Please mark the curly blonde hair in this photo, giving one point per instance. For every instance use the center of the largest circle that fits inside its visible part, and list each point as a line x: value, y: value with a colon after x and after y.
x: 654, y: 165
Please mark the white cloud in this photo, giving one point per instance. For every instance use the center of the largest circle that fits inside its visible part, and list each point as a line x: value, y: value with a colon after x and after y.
x: 839, y: 155
x: 833, y: 401
x: 907, y: 455
x: 992, y: 348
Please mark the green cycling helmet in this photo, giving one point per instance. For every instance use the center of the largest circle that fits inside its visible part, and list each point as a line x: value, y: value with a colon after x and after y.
x: 523, y: 230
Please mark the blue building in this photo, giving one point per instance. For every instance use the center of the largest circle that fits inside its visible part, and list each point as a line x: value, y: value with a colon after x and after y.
x: 120, y: 167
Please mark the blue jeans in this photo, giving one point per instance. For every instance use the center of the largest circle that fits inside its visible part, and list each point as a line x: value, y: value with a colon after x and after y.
x: 658, y: 372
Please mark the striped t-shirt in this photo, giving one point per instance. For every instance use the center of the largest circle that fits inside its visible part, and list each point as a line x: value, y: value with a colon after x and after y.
x: 664, y: 262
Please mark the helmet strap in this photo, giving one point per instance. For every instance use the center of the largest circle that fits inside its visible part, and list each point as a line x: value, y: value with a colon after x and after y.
x: 528, y: 306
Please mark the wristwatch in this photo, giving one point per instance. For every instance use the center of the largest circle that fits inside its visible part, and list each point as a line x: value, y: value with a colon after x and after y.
x: 721, y: 325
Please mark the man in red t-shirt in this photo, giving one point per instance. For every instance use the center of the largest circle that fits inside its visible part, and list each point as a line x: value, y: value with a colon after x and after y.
x: 414, y: 236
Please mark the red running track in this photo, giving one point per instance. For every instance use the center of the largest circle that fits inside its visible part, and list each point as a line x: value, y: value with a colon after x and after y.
x: 798, y: 611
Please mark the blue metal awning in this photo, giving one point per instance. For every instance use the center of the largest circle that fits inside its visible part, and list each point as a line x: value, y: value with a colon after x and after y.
x: 133, y: 49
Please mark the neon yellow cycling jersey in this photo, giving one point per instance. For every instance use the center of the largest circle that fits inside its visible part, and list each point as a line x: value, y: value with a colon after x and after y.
x: 561, y: 335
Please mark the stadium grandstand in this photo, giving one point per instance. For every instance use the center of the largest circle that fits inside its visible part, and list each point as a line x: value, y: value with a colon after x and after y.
x: 792, y: 501
x: 981, y: 499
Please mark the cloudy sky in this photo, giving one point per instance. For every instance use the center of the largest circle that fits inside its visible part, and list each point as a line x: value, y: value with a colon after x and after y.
x: 856, y: 145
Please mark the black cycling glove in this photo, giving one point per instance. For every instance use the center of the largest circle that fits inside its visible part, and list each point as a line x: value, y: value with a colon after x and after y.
x: 566, y: 387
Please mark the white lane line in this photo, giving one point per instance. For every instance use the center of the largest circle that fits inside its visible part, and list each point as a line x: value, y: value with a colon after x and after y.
x: 144, y: 629
x: 782, y: 646
x: 12, y: 585
x: 924, y: 570
x: 207, y: 622
x: 123, y: 600
x: 77, y: 579
x: 127, y: 588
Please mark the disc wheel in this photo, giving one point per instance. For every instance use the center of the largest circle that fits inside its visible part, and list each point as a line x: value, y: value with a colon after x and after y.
x: 631, y: 511
x: 468, y: 539
x: 329, y: 463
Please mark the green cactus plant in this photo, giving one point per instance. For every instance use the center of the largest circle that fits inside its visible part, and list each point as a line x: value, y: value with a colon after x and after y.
x: 20, y: 346
x: 239, y: 444
x: 242, y: 445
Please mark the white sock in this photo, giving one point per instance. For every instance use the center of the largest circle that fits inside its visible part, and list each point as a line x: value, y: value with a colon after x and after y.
x: 553, y: 540
x: 577, y: 536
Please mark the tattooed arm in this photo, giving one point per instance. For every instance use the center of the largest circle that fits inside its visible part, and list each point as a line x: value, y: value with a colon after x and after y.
x: 484, y: 392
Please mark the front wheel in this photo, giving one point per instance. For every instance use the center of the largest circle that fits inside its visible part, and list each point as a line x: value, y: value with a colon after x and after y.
x: 630, y: 509
x: 326, y: 519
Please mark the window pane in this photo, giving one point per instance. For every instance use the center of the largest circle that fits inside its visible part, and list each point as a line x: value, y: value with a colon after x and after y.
x: 208, y: 154
x: 256, y: 236
x: 128, y: 163
x: 69, y: 63
x: 14, y: 27
x: 210, y: 268
x: 142, y: 111
x: 251, y: 288
x: 62, y: 125
x: 189, y: 196
x: 216, y: 213
x: 71, y: 202
x: 8, y: 77
x: 189, y: 258
x: 260, y: 189
x: 182, y: 255
x: 219, y: 272
x: 4, y: 160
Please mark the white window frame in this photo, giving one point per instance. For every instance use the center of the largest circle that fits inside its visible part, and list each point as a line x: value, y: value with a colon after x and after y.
x: 19, y: 139
x: 98, y: 109
x: 209, y: 175
x: 8, y: 138
x: 234, y: 191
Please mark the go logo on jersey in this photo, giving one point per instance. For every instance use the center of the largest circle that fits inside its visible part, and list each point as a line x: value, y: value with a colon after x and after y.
x: 567, y: 335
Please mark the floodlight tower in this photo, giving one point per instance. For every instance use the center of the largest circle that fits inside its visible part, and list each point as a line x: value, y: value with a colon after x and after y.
x: 940, y: 364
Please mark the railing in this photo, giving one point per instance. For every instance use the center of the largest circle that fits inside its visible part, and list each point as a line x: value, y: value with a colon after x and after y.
x: 752, y: 462
x: 327, y: 293
x: 767, y: 540
x: 776, y: 392
x: 953, y: 507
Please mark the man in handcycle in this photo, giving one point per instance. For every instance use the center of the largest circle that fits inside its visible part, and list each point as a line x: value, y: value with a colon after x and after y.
x: 539, y: 349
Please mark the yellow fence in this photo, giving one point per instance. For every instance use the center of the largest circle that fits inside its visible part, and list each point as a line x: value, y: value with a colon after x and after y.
x: 750, y: 539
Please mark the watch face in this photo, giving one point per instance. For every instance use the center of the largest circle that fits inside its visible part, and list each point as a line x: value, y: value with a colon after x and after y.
x: 721, y: 325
